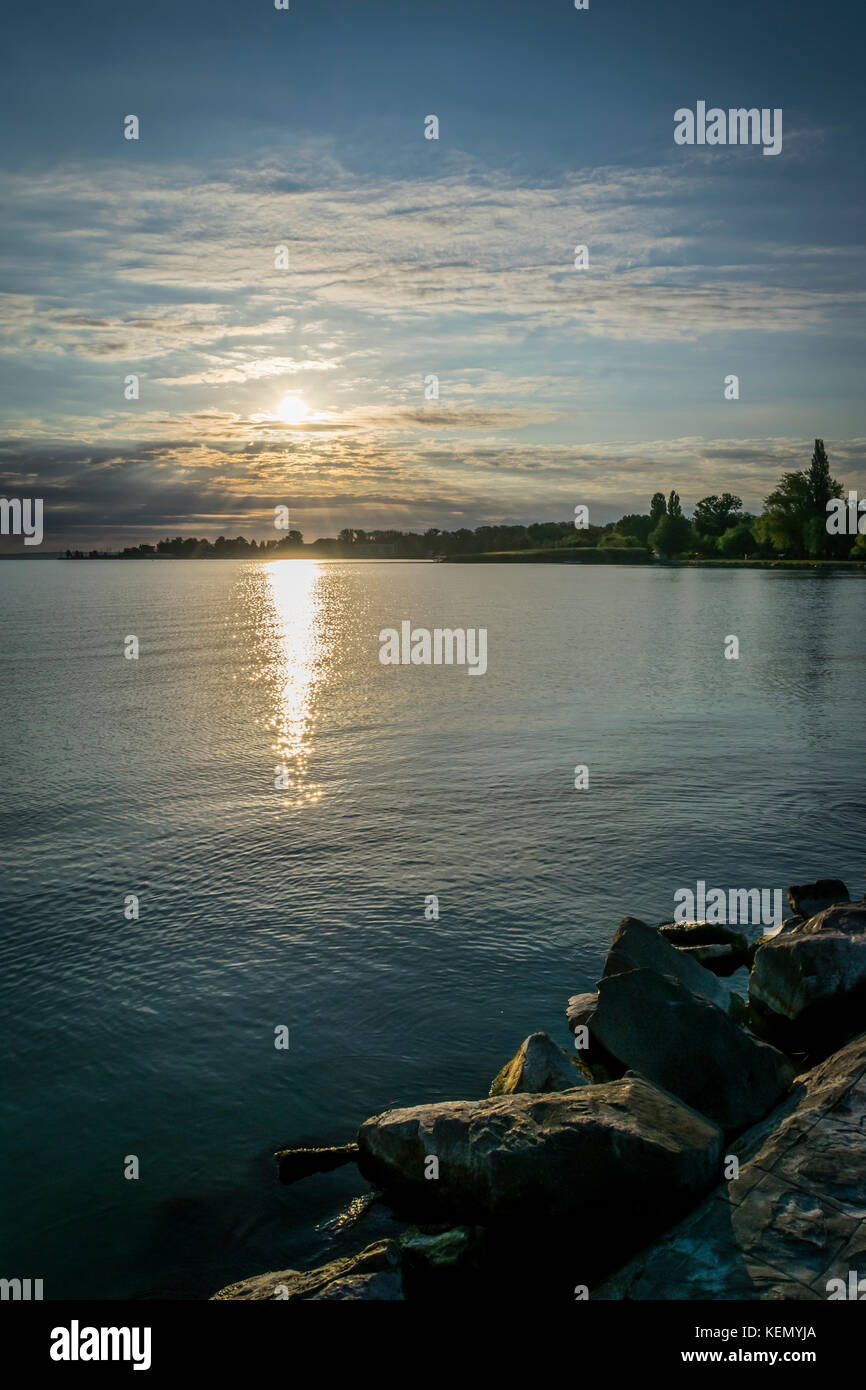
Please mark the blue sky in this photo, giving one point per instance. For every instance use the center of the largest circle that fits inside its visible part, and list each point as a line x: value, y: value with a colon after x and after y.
x: 410, y: 257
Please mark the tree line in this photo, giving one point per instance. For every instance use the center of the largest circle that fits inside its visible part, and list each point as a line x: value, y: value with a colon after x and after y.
x: 793, y: 524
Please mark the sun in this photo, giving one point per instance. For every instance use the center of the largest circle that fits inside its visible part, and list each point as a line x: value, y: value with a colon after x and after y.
x: 293, y: 410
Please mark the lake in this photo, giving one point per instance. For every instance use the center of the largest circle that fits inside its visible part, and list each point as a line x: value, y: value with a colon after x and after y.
x: 304, y: 906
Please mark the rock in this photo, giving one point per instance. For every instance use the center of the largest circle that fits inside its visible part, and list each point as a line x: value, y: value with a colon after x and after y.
x: 788, y: 925
x: 443, y: 1264
x: 717, y: 948
x: 300, y: 1163
x: 636, y: 946
x: 529, y: 1159
x: 721, y: 959
x: 373, y: 1274
x: 806, y: 899
x: 595, y: 1060
x: 581, y: 1008
x: 653, y: 1024
x: 702, y: 934
x: 386, y: 1286
x: 808, y: 985
x: 539, y: 1065
x: 442, y: 1249
x: 792, y: 1221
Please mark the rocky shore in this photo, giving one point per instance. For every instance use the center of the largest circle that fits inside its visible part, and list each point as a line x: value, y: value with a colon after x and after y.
x: 698, y: 1140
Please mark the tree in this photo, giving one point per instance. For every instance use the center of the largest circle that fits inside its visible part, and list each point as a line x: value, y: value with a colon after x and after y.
x: 637, y: 526
x: 738, y: 541
x: 658, y: 507
x: 715, y: 515
x: 615, y: 540
x: 795, y: 519
x: 822, y: 486
x: 673, y: 534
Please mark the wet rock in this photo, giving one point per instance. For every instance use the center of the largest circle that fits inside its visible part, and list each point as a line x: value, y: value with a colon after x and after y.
x: 374, y: 1274
x: 806, y: 899
x: 653, y: 1024
x: 539, y: 1065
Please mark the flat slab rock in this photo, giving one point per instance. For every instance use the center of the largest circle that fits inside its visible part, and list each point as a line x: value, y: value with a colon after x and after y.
x: 373, y: 1275
x: 531, y: 1157
x: 795, y: 1218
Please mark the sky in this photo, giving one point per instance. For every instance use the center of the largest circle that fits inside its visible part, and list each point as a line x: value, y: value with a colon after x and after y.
x: 410, y: 258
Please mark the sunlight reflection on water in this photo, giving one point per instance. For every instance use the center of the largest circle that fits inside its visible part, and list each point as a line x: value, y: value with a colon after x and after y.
x: 296, y: 664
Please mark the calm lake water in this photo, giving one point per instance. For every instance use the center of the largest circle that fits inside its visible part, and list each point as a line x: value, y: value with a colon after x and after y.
x: 304, y: 907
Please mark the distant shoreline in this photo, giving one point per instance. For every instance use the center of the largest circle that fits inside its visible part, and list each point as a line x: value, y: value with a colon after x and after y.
x: 576, y: 556
x: 624, y: 558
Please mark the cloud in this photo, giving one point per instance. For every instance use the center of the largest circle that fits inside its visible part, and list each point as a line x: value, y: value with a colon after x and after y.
x: 169, y: 272
x: 246, y: 371
x: 132, y: 491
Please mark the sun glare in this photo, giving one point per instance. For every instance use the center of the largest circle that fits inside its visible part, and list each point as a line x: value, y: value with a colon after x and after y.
x: 293, y: 410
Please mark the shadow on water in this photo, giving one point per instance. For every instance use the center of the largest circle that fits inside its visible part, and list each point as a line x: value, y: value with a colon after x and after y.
x: 218, y: 1236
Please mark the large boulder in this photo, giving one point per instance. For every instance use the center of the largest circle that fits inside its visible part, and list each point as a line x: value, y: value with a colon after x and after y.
x: 373, y: 1275
x: 808, y: 985
x: 528, y: 1159
x: 539, y: 1065
x: 636, y: 946
x: 807, y: 899
x: 792, y: 1223
x: 654, y: 1025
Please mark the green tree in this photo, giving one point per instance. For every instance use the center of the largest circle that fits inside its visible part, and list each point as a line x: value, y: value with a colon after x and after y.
x: 658, y: 507
x: 615, y: 540
x: 715, y: 515
x: 738, y: 541
x: 673, y: 534
x: 795, y: 516
x: 637, y: 526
